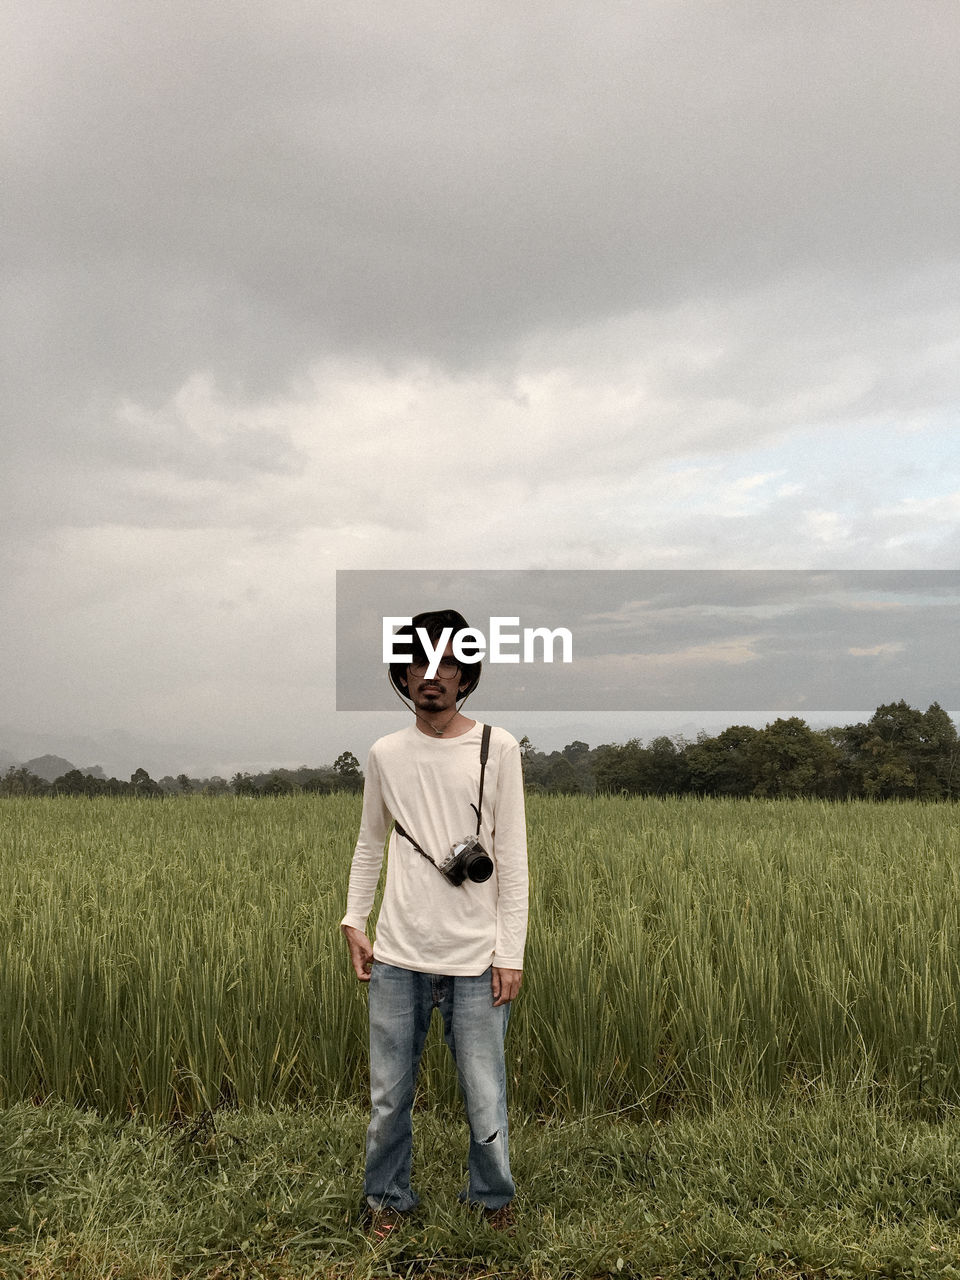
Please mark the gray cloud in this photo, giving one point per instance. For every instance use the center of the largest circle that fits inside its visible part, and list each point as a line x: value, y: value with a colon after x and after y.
x: 297, y: 287
x: 200, y: 188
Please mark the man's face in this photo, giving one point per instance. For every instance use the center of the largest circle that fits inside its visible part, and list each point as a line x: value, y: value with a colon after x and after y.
x: 440, y: 691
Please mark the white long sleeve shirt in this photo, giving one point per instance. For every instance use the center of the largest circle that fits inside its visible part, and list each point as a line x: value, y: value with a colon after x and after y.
x: 428, y: 785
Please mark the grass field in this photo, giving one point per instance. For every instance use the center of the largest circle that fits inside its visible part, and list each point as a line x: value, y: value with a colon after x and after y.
x: 832, y: 1191
x: 166, y: 957
x: 736, y: 1015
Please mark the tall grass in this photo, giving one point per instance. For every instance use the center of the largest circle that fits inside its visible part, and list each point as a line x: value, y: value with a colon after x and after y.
x: 170, y: 956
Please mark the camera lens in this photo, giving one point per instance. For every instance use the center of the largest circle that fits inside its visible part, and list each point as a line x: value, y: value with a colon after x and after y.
x: 478, y: 866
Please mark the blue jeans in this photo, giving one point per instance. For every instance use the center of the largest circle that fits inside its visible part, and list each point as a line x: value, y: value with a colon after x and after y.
x: 401, y: 1005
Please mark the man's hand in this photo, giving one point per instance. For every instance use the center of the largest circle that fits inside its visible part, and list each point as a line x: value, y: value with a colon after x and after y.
x: 506, y: 984
x: 361, y: 952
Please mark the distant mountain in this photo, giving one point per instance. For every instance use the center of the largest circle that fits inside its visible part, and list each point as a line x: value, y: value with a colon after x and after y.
x: 50, y: 768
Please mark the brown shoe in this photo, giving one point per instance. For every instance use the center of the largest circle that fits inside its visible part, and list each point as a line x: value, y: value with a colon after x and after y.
x: 381, y: 1223
x: 501, y: 1219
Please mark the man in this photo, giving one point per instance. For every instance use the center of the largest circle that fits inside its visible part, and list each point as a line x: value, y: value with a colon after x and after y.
x: 455, y: 947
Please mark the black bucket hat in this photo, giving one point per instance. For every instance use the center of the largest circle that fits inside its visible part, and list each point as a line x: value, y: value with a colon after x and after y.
x: 433, y: 622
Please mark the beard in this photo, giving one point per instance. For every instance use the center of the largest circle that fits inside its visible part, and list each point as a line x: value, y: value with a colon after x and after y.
x: 431, y: 697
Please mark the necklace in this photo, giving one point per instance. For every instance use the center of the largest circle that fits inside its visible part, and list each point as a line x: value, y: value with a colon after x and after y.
x: 437, y: 732
x: 443, y: 729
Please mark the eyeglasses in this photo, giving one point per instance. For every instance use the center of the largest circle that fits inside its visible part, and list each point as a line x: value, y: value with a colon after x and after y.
x: 447, y: 667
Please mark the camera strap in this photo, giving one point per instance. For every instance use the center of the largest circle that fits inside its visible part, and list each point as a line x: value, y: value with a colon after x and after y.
x: 484, y: 752
x: 423, y: 853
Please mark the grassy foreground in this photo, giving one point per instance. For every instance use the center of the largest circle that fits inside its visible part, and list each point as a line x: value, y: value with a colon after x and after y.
x: 737, y: 1051
x: 824, y: 1188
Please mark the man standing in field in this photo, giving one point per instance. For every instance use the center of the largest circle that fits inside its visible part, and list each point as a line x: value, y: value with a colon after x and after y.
x: 450, y: 938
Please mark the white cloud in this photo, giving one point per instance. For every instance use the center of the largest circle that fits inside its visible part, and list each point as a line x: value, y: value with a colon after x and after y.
x: 826, y: 526
x: 943, y: 507
x: 889, y: 650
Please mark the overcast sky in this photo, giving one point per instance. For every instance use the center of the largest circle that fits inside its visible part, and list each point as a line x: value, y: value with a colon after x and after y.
x: 306, y: 287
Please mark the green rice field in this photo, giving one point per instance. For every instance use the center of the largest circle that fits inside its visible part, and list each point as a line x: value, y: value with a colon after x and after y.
x: 164, y: 958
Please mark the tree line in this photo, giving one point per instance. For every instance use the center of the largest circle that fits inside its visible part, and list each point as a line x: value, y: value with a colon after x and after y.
x: 343, y: 775
x: 899, y: 753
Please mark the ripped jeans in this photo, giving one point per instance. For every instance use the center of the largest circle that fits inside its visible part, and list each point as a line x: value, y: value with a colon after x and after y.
x: 401, y: 1005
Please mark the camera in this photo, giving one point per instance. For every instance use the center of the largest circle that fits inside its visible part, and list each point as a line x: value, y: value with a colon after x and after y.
x: 467, y: 860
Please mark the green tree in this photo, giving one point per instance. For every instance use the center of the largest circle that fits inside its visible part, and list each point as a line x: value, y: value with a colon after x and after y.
x: 633, y: 769
x: 75, y: 783
x: 277, y: 785
x: 940, y: 752
x: 724, y: 765
x: 791, y: 759
x: 561, y: 777
x: 620, y: 768
x: 667, y: 770
x: 322, y: 782
x: 21, y: 782
x: 141, y: 784
x: 347, y: 768
x: 534, y: 765
x: 903, y: 753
